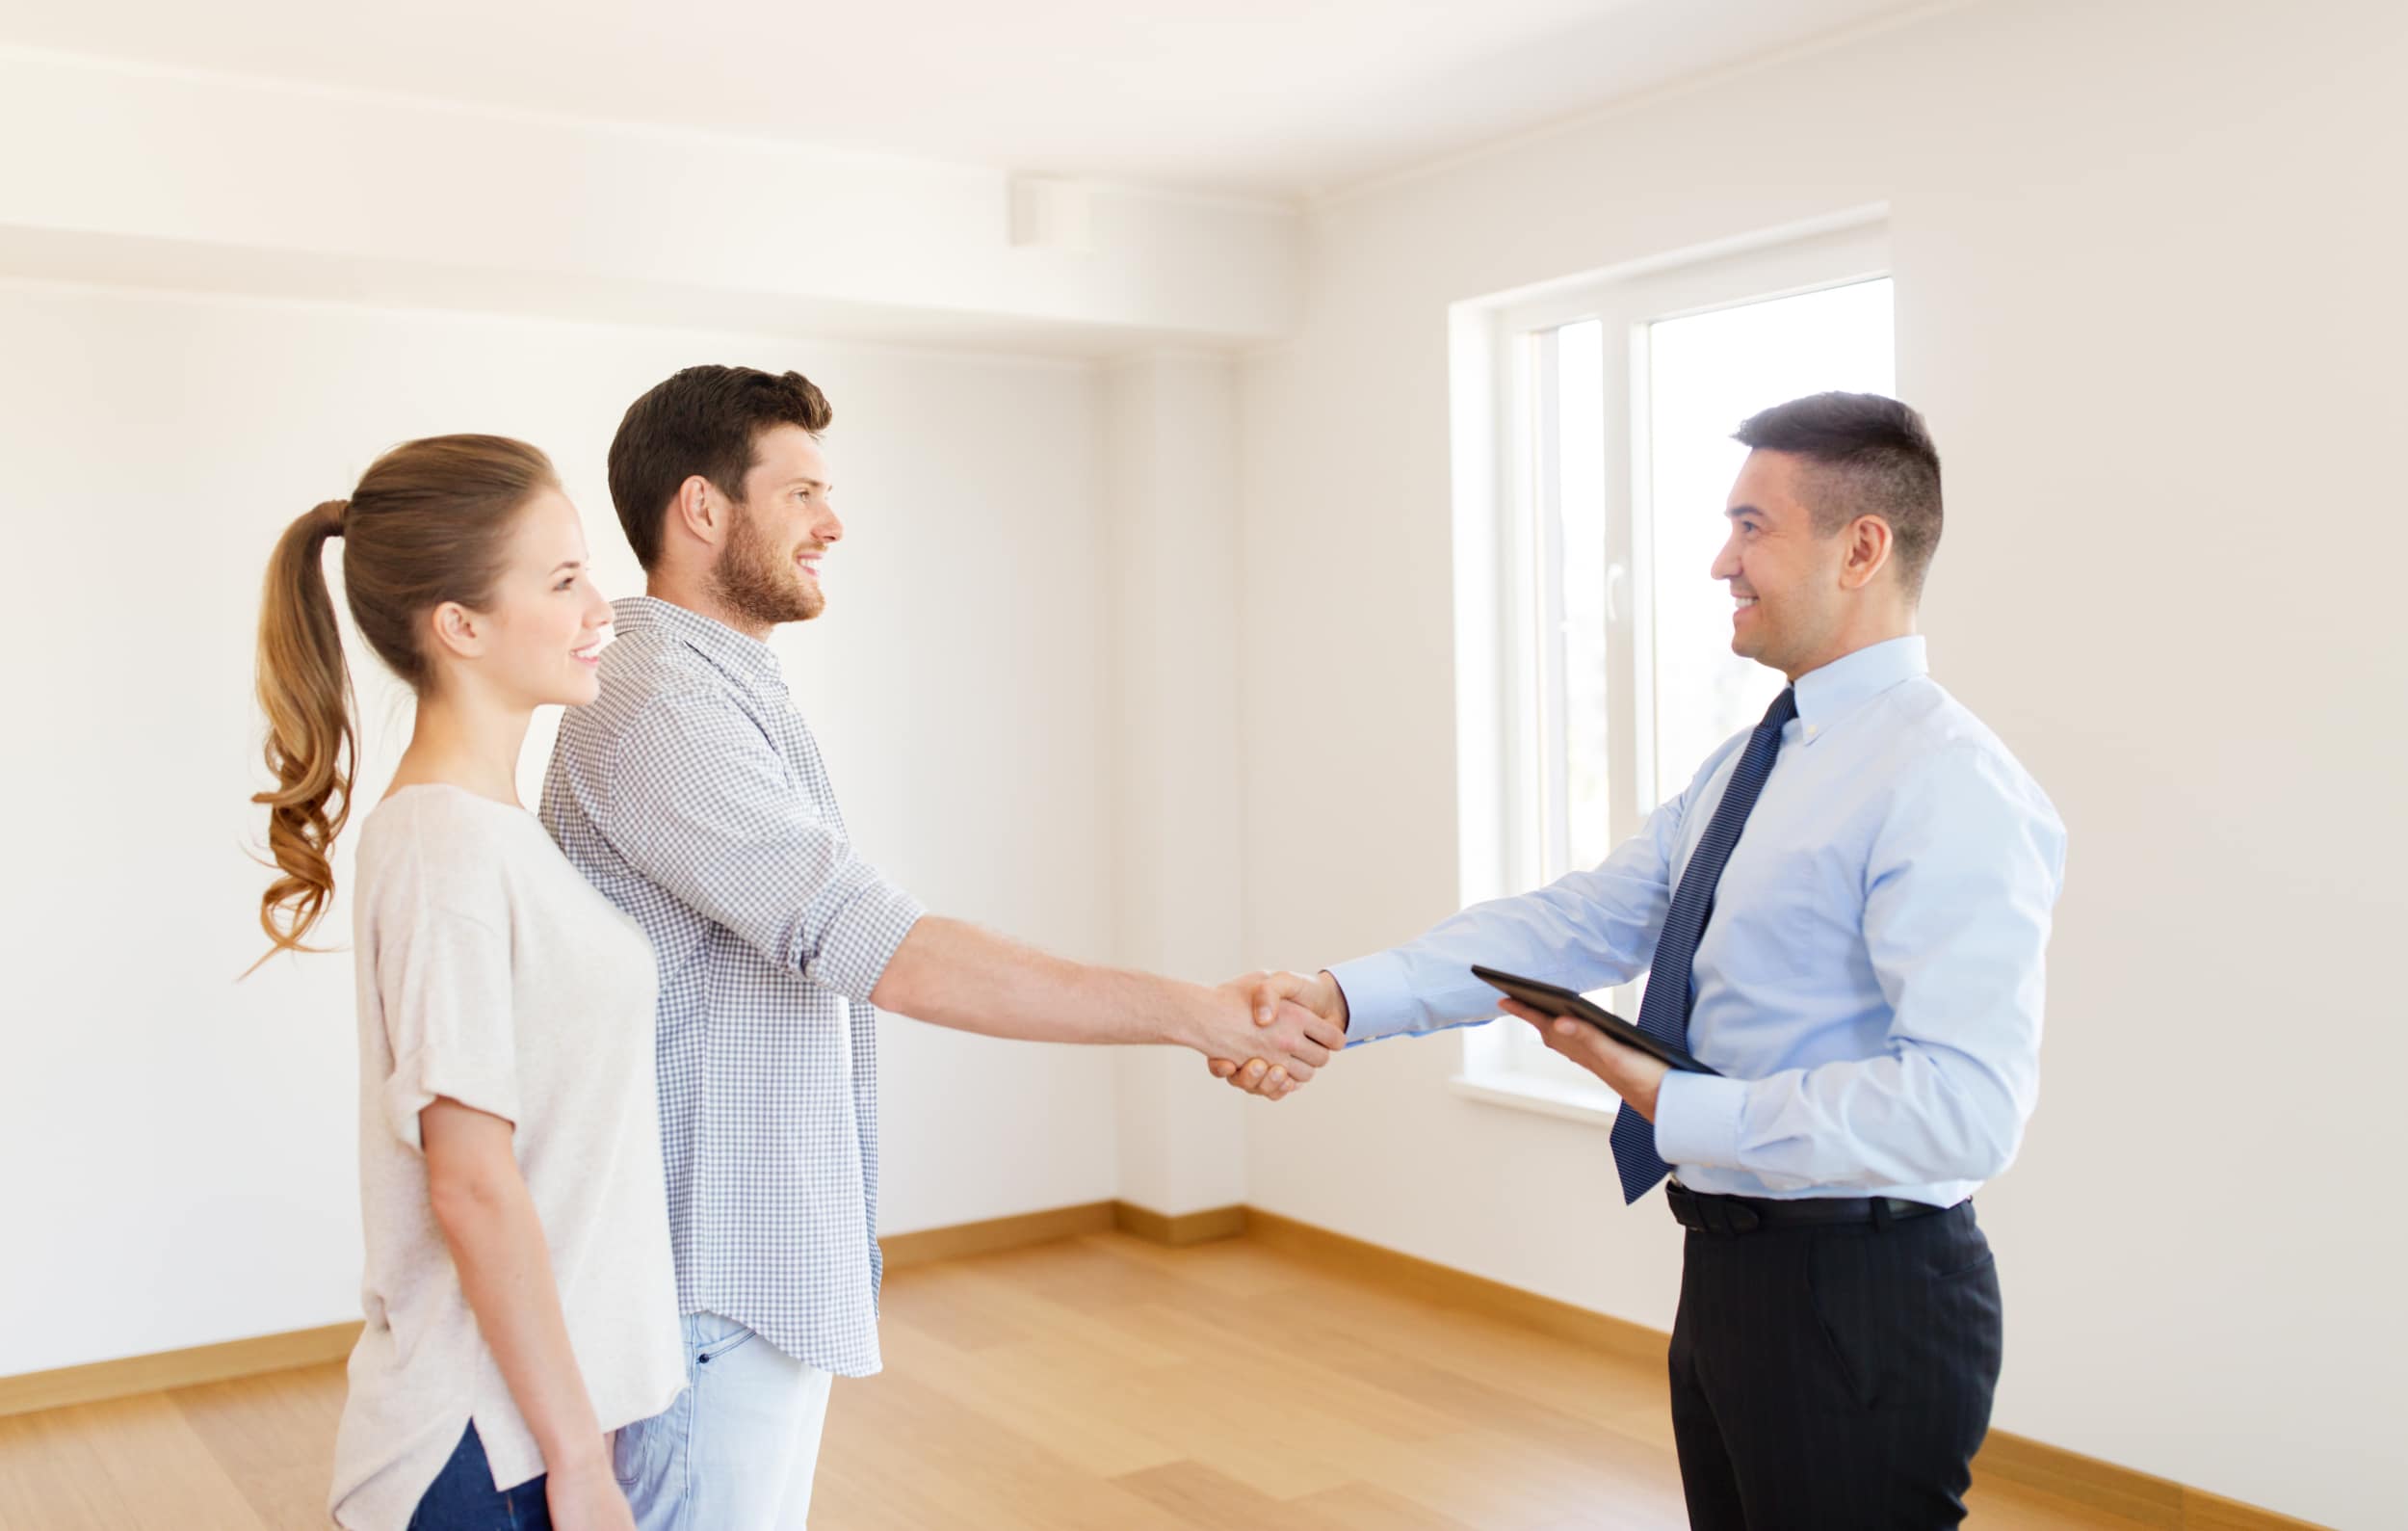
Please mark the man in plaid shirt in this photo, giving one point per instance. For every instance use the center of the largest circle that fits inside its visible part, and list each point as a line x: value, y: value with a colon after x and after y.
x: 693, y: 794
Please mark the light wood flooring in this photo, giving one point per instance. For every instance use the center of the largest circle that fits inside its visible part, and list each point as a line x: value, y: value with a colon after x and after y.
x: 1100, y: 1383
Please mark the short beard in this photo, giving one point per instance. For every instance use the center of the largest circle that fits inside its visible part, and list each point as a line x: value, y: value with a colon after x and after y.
x: 759, y: 582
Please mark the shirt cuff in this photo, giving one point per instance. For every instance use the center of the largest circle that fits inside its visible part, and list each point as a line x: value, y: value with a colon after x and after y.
x: 1697, y: 1119
x: 862, y: 938
x: 1379, y: 997
x: 428, y: 1073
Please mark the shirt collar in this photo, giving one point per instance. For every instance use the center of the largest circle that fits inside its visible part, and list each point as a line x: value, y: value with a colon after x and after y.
x: 1827, y: 694
x: 746, y: 659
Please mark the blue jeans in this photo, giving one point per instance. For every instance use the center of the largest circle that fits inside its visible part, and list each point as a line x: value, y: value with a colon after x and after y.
x: 462, y: 1497
x: 738, y: 1449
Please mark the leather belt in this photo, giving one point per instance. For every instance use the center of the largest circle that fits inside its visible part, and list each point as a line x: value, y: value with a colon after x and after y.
x: 1705, y: 1213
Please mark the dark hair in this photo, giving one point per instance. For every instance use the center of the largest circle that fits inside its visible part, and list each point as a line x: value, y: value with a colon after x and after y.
x: 1875, y: 458
x: 704, y: 420
x: 429, y: 523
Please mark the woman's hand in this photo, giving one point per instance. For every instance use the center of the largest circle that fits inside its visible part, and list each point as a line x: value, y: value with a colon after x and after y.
x: 583, y: 1495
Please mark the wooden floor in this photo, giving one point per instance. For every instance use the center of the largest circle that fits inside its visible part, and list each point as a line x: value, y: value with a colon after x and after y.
x: 1104, y: 1384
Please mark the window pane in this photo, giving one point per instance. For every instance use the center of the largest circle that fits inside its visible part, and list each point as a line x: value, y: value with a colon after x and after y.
x: 1580, y: 516
x: 1706, y: 373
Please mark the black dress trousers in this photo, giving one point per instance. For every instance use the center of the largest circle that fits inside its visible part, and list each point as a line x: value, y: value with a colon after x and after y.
x: 1835, y: 1377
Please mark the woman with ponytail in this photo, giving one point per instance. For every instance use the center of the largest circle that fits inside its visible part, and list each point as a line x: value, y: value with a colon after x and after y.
x: 519, y: 1291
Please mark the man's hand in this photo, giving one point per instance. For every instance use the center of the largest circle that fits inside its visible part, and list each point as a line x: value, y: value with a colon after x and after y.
x: 1286, y: 1041
x: 1272, y: 994
x: 1631, y: 1073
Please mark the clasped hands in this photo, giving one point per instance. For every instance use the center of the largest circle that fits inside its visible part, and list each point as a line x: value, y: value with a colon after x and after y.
x: 1292, y: 1026
x: 1314, y: 1011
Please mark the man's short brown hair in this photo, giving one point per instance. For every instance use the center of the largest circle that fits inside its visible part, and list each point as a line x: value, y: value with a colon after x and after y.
x: 704, y: 420
x: 1874, y: 457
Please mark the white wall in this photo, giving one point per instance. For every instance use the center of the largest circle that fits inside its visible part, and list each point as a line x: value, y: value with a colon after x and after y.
x: 180, y: 1148
x: 2148, y: 260
x: 1170, y: 445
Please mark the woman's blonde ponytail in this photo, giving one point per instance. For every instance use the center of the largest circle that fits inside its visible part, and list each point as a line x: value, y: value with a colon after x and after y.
x: 306, y: 689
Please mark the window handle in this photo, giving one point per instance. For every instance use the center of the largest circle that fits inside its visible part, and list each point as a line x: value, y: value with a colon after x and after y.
x: 1617, y: 575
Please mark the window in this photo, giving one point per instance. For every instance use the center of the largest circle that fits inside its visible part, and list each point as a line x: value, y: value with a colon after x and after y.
x: 1601, y: 648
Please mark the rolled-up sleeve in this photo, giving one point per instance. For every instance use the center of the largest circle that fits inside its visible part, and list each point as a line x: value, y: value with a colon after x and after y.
x: 443, y: 979
x: 697, y: 799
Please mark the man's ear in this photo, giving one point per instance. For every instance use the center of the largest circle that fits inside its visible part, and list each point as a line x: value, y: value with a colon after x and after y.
x: 701, y: 508
x: 1866, y: 552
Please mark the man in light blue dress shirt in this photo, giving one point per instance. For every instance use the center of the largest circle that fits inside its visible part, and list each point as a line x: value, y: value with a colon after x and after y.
x: 1862, y: 886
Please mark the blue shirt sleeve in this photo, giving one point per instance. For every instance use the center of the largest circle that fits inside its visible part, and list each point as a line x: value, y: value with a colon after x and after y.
x: 1960, y: 882
x: 1584, y: 931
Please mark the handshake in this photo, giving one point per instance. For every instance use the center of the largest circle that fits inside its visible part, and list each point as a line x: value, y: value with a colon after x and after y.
x: 1266, y: 1033
x: 1286, y: 1025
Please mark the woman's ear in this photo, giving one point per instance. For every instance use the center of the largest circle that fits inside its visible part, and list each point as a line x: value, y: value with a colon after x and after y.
x: 458, y: 631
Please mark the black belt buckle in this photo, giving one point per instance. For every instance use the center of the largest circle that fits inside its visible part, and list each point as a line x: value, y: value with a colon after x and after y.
x: 1684, y: 1208
x: 1711, y: 1214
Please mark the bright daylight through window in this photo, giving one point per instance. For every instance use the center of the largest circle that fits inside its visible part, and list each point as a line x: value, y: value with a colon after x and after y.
x: 1618, y: 648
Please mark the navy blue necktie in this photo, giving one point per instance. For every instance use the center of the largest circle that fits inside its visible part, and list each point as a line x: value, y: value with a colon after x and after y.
x: 1672, y: 992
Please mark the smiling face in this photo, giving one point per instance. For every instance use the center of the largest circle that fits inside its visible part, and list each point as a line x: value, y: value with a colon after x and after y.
x: 768, y: 570
x: 1789, y: 583
x: 542, y: 628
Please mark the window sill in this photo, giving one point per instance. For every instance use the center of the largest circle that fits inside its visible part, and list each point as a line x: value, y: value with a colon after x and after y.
x: 1547, y: 1097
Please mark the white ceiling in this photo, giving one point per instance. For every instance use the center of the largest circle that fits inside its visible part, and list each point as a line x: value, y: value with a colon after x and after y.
x: 1281, y: 98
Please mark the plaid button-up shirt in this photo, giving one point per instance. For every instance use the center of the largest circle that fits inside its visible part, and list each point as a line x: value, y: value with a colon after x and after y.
x: 692, y: 793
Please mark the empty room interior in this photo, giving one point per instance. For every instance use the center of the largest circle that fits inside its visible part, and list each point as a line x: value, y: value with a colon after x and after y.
x: 934, y: 766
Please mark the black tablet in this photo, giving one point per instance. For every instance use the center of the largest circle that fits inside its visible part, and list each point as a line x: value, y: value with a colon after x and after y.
x: 1548, y: 999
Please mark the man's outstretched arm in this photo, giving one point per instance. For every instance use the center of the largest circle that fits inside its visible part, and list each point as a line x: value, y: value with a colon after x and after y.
x: 950, y: 973
x: 1585, y: 930
x: 694, y: 797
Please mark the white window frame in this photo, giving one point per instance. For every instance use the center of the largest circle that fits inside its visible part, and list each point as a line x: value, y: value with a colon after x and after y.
x: 1509, y: 770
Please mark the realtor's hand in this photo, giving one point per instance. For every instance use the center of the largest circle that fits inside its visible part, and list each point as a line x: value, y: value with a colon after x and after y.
x: 1285, y: 1040
x: 1629, y: 1073
x: 1272, y: 994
